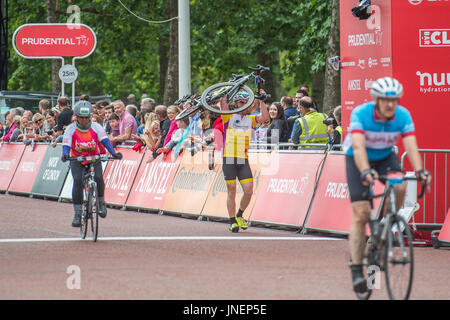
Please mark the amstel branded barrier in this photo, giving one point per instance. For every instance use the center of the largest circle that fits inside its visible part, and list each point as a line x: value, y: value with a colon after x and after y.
x: 10, y: 155
x: 191, y: 185
x: 215, y: 205
x: 331, y: 209
x: 52, y: 174
x: 152, y: 183
x: 119, y: 176
x: 28, y: 169
x: 285, y: 195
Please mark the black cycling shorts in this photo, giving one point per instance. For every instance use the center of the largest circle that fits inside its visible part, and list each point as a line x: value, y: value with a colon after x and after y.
x: 236, y: 168
x: 359, y: 192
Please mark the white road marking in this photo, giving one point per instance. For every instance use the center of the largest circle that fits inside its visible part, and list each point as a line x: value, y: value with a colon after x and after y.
x: 196, y: 238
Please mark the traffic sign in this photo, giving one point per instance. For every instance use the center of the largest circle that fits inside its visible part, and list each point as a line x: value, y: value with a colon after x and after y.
x: 68, y: 73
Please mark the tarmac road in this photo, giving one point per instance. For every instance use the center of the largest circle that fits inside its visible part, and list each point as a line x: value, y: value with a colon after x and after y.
x: 148, y: 256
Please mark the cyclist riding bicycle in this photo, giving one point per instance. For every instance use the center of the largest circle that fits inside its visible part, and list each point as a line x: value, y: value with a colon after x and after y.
x: 86, y: 138
x: 374, y: 129
x: 237, y: 134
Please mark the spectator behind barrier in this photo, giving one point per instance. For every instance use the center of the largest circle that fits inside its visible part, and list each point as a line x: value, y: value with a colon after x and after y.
x: 114, y: 121
x: 335, y: 129
x: 109, y: 110
x: 278, y: 130
x: 13, y: 122
x: 65, y: 116
x: 127, y: 124
x: 179, y: 139
x: 172, y: 112
x: 148, y: 104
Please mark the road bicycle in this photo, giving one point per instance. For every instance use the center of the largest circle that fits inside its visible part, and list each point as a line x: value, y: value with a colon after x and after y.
x: 209, y: 99
x: 390, y: 246
x: 90, y: 205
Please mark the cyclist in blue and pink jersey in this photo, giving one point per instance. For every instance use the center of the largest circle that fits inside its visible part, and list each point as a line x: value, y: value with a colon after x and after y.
x: 86, y: 138
x: 374, y: 129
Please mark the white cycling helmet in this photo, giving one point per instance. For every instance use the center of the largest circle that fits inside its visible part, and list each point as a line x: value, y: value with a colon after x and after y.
x: 387, y: 87
x: 241, y: 95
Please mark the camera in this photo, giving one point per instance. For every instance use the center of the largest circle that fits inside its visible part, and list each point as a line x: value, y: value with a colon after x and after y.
x: 330, y: 121
x: 362, y: 10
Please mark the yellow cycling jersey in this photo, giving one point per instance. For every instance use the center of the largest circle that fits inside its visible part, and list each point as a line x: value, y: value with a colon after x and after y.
x: 237, y: 135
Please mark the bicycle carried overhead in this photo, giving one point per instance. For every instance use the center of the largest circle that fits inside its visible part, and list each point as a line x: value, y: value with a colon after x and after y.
x: 209, y: 99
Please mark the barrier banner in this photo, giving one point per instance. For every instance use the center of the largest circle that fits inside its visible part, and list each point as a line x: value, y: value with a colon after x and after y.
x: 285, y: 195
x: 366, y: 52
x: 28, y: 168
x: 444, y: 234
x: 331, y: 208
x: 191, y: 185
x: 52, y: 174
x: 119, y: 176
x: 66, y: 192
x: 153, y: 182
x: 216, y: 203
x: 10, y: 155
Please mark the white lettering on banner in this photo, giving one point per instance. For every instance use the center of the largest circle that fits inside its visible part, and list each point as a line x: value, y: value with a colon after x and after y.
x: 5, y: 165
x: 337, y: 190
x: 348, y: 63
x: 362, y: 63
x: 373, y: 62
x: 417, y: 2
x: 365, y: 39
x: 354, y: 85
x: 53, y: 162
x: 80, y: 40
x: 155, y: 178
x: 51, y: 175
x: 287, y: 186
x: 27, y: 166
x: 385, y: 61
x: 119, y: 176
x: 434, y: 83
x: 368, y: 84
x: 434, y: 37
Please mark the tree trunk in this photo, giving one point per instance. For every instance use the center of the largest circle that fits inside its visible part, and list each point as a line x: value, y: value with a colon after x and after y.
x: 53, y: 17
x: 318, y: 81
x: 272, y: 83
x: 332, y: 97
x: 171, y: 84
x: 163, y: 64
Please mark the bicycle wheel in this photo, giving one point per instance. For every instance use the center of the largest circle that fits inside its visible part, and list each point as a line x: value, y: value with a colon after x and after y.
x: 399, y: 260
x: 186, y: 112
x: 211, y: 96
x: 94, y: 212
x: 84, y: 216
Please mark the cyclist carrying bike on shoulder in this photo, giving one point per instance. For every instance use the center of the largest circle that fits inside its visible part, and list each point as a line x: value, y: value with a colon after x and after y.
x: 86, y: 138
x: 237, y: 134
x: 374, y: 129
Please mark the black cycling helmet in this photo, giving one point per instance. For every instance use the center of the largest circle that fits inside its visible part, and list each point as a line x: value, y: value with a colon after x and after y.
x: 362, y: 10
x: 83, y: 109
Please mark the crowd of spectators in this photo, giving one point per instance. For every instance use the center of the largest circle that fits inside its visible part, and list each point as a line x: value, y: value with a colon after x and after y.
x: 147, y: 125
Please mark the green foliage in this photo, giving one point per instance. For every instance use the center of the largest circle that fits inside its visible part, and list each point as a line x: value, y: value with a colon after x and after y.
x: 225, y: 38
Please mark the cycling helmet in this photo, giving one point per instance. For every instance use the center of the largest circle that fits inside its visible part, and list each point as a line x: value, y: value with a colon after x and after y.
x: 386, y: 88
x: 83, y: 109
x: 241, y: 95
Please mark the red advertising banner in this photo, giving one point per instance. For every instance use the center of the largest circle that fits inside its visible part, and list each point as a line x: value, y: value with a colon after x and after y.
x: 153, y: 182
x: 285, y: 195
x: 421, y: 45
x: 10, y: 155
x: 331, y: 208
x: 366, y: 53
x: 54, y: 40
x: 119, y: 176
x: 191, y: 185
x: 444, y: 234
x: 28, y: 168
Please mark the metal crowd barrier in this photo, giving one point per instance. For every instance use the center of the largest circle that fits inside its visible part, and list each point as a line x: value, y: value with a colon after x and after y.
x: 436, y: 176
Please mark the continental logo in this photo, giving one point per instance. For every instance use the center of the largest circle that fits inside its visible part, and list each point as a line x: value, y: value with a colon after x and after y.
x: 337, y: 190
x: 221, y: 187
x: 188, y: 179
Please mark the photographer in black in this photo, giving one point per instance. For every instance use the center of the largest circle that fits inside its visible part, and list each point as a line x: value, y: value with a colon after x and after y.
x: 333, y: 123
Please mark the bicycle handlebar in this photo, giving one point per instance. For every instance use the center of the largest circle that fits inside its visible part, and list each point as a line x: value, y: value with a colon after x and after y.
x: 387, y: 178
x: 100, y: 157
x: 259, y: 68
